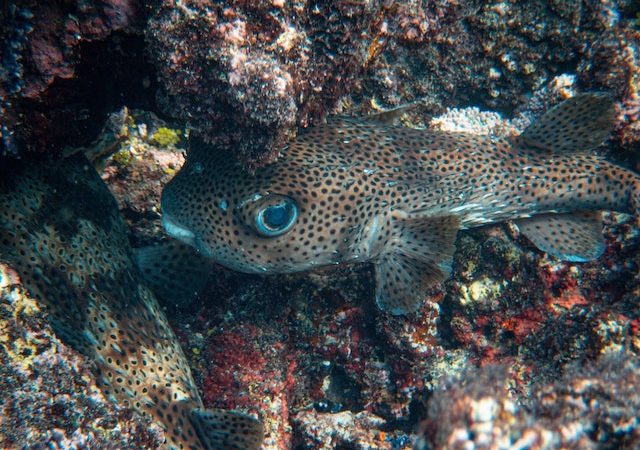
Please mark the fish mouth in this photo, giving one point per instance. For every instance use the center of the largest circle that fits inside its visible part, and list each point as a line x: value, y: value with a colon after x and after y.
x: 182, y: 233
x: 177, y: 231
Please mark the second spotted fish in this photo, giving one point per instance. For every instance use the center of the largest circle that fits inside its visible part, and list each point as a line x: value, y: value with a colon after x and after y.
x: 363, y: 191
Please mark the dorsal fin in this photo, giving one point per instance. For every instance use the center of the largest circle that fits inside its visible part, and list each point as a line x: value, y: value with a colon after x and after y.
x: 227, y: 430
x: 387, y: 117
x: 418, y: 256
x: 575, y: 237
x: 576, y: 125
x: 391, y: 116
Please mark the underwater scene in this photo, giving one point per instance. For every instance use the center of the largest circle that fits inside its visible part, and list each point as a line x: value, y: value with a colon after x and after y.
x: 310, y: 224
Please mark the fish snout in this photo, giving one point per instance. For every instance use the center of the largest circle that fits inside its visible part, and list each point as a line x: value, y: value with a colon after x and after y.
x: 171, y: 220
x: 179, y: 231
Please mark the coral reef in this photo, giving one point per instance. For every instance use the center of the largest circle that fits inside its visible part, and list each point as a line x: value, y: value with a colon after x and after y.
x: 343, y: 429
x: 48, y: 395
x: 611, y: 65
x: 487, y: 53
x: 136, y: 163
x: 515, y: 348
x: 248, y: 74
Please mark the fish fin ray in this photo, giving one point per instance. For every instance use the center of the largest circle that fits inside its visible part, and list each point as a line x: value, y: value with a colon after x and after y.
x: 391, y: 116
x: 419, y: 257
x: 227, y: 430
x: 575, y: 237
x: 576, y: 125
x: 173, y: 270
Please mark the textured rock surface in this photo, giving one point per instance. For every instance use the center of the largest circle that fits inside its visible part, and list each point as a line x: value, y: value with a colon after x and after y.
x: 589, y: 407
x: 65, y: 65
x: 249, y: 73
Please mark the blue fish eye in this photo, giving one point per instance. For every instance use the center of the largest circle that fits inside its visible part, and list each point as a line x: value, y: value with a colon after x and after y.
x: 276, y: 219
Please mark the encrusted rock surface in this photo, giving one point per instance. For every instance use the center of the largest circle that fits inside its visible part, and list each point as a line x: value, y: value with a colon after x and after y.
x: 590, y: 407
x: 65, y: 65
x: 249, y: 74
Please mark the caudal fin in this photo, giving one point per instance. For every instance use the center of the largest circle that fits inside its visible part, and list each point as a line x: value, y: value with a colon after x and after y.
x: 227, y: 430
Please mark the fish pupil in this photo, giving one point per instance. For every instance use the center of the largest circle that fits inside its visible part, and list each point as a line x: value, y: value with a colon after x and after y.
x: 277, y: 216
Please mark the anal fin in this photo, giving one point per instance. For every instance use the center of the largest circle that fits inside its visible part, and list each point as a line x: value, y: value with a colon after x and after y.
x: 575, y: 237
x: 227, y: 430
x: 418, y: 256
x: 174, y: 270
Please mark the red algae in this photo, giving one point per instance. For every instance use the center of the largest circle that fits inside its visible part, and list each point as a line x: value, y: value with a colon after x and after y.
x: 235, y: 362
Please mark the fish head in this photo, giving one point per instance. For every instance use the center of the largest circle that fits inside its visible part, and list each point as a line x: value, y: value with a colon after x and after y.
x: 270, y: 221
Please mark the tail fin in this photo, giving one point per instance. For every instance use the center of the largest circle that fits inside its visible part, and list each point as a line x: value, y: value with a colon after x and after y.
x: 227, y: 430
x: 576, y: 125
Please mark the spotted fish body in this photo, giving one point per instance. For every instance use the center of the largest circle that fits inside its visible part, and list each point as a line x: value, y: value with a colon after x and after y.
x: 61, y: 230
x: 365, y: 191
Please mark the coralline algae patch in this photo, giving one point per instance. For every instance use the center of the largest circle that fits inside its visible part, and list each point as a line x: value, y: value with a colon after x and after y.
x: 48, y: 396
x: 251, y: 73
x: 301, y: 355
x: 508, y: 300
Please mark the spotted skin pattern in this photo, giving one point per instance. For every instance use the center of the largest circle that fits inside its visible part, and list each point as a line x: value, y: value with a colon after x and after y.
x: 367, y: 191
x: 61, y: 230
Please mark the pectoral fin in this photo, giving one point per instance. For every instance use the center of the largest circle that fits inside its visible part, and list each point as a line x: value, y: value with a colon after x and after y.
x: 418, y: 256
x: 227, y: 430
x: 575, y: 237
x: 174, y: 270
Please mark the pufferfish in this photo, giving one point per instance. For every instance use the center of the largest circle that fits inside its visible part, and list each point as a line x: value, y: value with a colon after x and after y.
x: 366, y: 191
x: 61, y: 230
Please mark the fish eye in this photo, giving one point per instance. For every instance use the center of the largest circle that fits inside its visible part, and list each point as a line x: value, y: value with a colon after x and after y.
x: 277, y: 217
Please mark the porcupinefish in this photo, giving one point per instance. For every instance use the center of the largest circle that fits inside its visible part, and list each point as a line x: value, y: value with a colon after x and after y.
x: 61, y: 231
x: 362, y: 190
